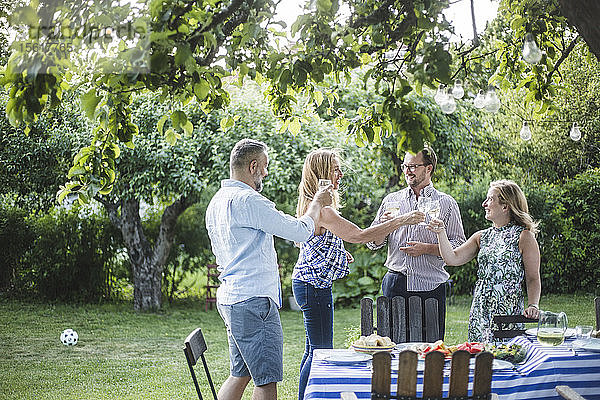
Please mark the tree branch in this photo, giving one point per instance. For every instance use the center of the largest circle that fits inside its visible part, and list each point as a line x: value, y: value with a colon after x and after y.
x: 166, y: 232
x: 112, y: 208
x: 475, y: 35
x: 562, y: 58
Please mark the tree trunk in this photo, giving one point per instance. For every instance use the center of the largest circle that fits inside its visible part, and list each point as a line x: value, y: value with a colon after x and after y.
x: 584, y: 15
x: 147, y: 262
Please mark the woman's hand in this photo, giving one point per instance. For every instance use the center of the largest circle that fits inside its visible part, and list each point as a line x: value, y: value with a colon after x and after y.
x: 436, y: 225
x: 532, y: 311
x: 412, y: 217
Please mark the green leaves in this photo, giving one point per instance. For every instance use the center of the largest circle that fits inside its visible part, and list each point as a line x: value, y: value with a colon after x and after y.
x: 89, y: 102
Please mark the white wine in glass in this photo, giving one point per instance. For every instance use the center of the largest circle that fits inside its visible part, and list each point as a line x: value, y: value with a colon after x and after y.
x: 393, y: 207
x: 434, y: 209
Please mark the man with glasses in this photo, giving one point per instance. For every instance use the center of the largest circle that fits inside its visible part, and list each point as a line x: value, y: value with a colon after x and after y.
x: 413, y: 260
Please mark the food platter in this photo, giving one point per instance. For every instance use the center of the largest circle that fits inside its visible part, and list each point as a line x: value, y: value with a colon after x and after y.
x: 373, y: 343
x: 422, y: 349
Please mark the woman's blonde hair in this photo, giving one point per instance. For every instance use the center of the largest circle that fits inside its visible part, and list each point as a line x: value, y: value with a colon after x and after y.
x: 510, y: 194
x: 317, y: 165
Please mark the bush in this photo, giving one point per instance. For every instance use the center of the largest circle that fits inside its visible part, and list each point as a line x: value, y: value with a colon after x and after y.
x: 569, y: 236
x: 571, y: 246
x: 69, y: 257
x: 16, y: 237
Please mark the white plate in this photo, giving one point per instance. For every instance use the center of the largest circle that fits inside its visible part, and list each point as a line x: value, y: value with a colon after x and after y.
x: 502, y: 364
x: 411, y: 346
x: 347, y: 358
x: 496, y: 364
x: 372, y: 349
x: 533, y: 332
x: 591, y: 344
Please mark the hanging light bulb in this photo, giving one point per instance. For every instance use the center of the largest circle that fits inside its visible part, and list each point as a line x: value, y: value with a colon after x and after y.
x: 575, y: 133
x: 448, y: 106
x: 458, y: 91
x: 492, y: 102
x: 479, y: 101
x: 440, y: 95
x: 525, y: 131
x: 531, y: 52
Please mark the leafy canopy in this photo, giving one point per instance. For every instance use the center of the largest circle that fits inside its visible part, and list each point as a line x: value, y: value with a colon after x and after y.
x: 188, y: 51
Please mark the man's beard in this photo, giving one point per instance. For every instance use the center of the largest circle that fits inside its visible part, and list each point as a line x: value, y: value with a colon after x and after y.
x: 258, y: 181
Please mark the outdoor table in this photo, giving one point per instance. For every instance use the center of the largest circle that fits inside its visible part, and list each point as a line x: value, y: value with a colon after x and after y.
x: 536, y: 378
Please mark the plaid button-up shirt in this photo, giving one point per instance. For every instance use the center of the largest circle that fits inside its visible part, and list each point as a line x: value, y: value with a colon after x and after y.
x: 322, y: 260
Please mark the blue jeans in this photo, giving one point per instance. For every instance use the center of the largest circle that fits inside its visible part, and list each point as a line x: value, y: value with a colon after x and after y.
x: 317, y: 309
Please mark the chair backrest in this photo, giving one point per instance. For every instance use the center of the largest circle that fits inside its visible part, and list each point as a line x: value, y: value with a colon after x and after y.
x: 503, y: 325
x: 402, y: 319
x: 194, y: 349
x: 212, y: 283
x: 433, y: 376
x: 597, y: 302
x: 567, y: 393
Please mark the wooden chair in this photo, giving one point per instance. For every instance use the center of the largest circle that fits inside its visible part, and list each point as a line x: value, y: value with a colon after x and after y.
x: 502, y: 329
x: 194, y: 348
x: 597, y: 302
x: 433, y: 376
x: 402, y: 319
x: 212, y: 283
x: 567, y: 393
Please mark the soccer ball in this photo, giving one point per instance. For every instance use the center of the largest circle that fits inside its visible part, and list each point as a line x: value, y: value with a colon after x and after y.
x: 69, y: 337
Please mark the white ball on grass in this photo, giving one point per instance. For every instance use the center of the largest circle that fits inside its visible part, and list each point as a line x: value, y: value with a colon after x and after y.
x: 69, y: 337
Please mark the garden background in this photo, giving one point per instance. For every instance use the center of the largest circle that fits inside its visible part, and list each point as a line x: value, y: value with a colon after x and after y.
x: 70, y: 264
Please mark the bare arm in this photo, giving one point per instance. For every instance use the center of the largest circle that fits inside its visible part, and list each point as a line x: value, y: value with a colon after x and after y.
x: 531, y: 261
x: 322, y: 198
x: 463, y: 253
x: 350, y: 232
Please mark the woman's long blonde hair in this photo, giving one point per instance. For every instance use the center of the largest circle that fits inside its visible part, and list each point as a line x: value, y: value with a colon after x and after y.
x: 510, y: 193
x: 317, y: 165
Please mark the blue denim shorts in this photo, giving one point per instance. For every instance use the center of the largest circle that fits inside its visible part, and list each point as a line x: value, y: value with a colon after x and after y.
x: 255, y: 339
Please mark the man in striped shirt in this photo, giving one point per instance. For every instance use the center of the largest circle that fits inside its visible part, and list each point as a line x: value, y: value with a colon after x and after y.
x: 413, y: 261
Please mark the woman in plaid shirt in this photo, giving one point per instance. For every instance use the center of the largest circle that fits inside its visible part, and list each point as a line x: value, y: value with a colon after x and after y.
x: 323, y: 258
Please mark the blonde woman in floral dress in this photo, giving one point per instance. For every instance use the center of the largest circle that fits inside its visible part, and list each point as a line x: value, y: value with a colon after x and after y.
x: 506, y: 253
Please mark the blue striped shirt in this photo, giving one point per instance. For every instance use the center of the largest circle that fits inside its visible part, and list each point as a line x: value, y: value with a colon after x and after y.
x: 426, y: 272
x: 322, y: 260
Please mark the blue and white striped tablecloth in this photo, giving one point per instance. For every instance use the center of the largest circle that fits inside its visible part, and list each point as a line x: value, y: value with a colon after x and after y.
x: 536, y: 378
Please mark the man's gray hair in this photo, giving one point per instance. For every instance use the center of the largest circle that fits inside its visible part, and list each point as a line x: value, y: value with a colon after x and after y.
x: 244, y: 152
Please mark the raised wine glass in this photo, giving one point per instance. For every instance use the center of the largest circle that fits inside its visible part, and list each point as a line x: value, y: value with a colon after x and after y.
x: 324, y: 183
x: 423, y: 205
x: 434, y: 209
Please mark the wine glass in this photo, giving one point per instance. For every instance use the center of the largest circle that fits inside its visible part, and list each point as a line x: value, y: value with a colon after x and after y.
x: 434, y: 209
x: 323, y: 183
x: 423, y: 205
x: 393, y: 207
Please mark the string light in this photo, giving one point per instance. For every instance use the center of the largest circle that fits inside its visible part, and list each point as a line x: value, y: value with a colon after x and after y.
x: 525, y: 131
x: 575, y: 133
x: 531, y: 52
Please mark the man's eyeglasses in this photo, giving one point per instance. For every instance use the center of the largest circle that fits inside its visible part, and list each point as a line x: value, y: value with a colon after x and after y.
x: 412, y: 167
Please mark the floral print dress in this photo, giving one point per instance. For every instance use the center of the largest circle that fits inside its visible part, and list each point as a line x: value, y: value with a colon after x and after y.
x: 498, y: 289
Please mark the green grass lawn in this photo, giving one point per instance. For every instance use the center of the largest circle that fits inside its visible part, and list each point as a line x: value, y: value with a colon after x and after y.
x: 126, y: 355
